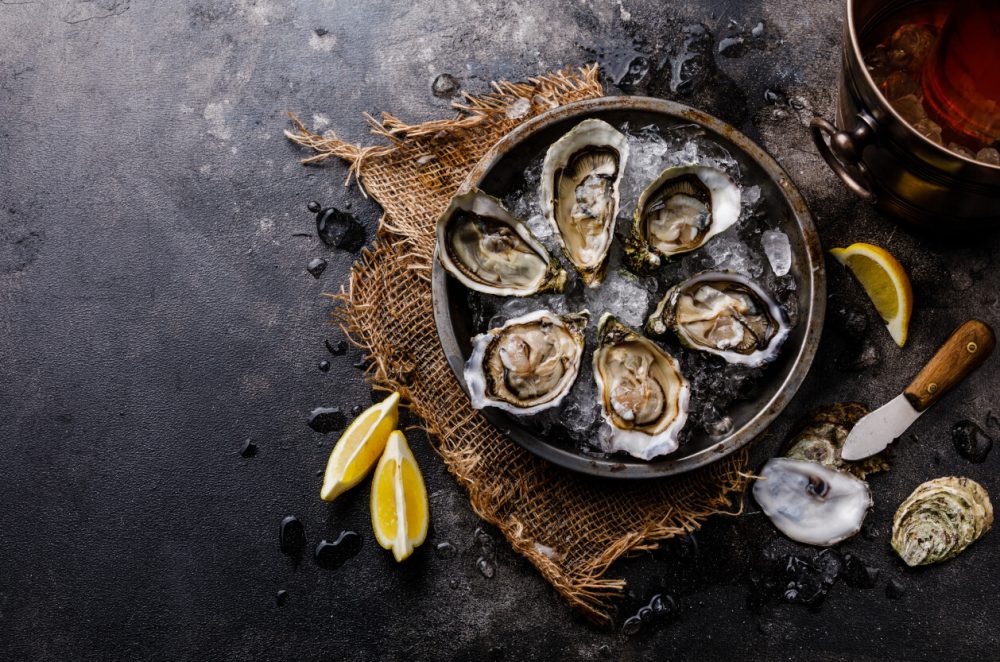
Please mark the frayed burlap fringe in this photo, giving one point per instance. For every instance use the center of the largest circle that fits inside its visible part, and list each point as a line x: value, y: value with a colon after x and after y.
x: 570, y: 527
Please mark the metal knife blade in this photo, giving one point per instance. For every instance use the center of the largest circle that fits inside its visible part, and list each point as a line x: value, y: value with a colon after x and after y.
x: 879, y: 428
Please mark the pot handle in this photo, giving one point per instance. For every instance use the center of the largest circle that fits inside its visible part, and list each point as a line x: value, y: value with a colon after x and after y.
x: 843, y: 154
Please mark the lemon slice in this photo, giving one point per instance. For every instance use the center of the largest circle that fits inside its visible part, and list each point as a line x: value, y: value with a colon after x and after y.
x: 358, y: 449
x: 399, y: 499
x: 886, y: 283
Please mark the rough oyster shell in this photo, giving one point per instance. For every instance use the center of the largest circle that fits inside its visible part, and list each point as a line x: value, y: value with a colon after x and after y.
x: 528, y: 364
x: 820, y: 436
x: 579, y: 194
x: 644, y: 396
x: 485, y: 247
x: 940, y: 519
x: 722, y: 313
x: 811, y: 503
x: 679, y: 212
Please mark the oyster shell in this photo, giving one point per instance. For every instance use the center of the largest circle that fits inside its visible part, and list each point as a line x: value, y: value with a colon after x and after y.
x: 811, y: 503
x: 722, y: 313
x: 820, y: 436
x: 528, y: 364
x: 681, y: 210
x: 489, y: 250
x: 579, y: 194
x: 940, y: 519
x: 644, y: 396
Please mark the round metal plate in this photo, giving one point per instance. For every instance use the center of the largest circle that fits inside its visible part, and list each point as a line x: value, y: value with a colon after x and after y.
x: 500, y: 170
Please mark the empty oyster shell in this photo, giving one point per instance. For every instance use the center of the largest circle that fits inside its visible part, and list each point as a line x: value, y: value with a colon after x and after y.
x: 811, y: 503
x: 941, y: 518
x: 489, y: 250
x: 644, y: 396
x: 820, y: 436
x: 579, y: 191
x: 722, y: 313
x: 528, y: 364
x: 681, y: 210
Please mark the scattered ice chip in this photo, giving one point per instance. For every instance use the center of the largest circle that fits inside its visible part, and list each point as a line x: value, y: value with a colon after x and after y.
x: 731, y: 254
x: 519, y: 108
x: 622, y: 295
x: 778, y: 250
x: 989, y: 155
x: 540, y: 227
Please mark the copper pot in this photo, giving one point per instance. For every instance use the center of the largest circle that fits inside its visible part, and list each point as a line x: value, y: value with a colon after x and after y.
x: 883, y: 160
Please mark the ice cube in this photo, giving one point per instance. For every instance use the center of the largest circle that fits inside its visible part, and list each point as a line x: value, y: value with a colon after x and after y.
x: 778, y: 250
x: 751, y: 195
x: 910, y: 109
x: 988, y: 155
x: 519, y: 108
x: 729, y: 253
x: 539, y: 226
x: 961, y: 151
x: 897, y: 85
x: 910, y: 45
x: 622, y: 295
x: 929, y: 129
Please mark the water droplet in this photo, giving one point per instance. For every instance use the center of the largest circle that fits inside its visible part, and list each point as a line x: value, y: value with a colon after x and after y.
x: 445, y: 86
x: 314, y: 206
x: 645, y: 614
x: 337, y: 349
x: 445, y: 550
x: 281, y: 597
x: 339, y: 229
x: 895, y: 589
x: 971, y: 441
x: 249, y: 448
x: 631, y: 626
x: 486, y: 567
x: 857, y: 574
x: 292, y: 537
x: 327, y: 419
x: 775, y: 97
x: 662, y: 604
x: 356, y: 410
x: 324, y: 366
x: 332, y: 555
x: 316, y: 267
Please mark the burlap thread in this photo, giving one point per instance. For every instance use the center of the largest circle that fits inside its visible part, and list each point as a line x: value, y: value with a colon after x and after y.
x: 570, y: 527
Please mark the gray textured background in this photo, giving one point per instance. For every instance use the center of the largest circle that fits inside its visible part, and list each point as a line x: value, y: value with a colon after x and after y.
x: 155, y: 312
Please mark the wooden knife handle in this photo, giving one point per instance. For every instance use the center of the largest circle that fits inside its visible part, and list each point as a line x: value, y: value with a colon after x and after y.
x: 964, y: 351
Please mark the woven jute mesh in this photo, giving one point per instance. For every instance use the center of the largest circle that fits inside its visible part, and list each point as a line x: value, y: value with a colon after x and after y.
x: 569, y: 526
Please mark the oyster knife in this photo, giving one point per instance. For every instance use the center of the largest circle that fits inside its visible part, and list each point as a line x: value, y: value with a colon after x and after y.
x: 964, y: 351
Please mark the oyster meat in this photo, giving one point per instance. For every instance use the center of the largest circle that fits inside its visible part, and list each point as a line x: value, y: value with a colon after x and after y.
x: 644, y: 396
x: 489, y: 250
x: 821, y: 436
x: 528, y: 364
x: 722, y: 313
x: 941, y: 518
x: 811, y: 503
x: 579, y: 194
x: 680, y: 211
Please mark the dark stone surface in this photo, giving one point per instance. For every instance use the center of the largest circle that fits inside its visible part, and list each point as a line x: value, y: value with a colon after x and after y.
x: 155, y: 312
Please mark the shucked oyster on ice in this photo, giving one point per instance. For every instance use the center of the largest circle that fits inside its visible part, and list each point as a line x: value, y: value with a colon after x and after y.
x: 579, y: 191
x: 644, y: 396
x: 528, y: 364
x: 811, y: 503
x: 940, y: 519
x: 680, y: 211
x: 820, y: 436
x: 489, y: 250
x: 722, y: 313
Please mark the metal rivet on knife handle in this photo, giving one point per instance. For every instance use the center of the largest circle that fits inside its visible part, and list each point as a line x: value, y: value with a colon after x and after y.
x: 964, y: 351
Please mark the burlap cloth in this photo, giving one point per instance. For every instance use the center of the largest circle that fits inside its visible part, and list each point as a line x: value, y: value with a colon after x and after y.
x: 570, y: 527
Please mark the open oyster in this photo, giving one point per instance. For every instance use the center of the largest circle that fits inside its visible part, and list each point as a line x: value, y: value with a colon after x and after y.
x: 811, y: 503
x: 489, y: 250
x: 941, y: 518
x: 680, y: 211
x: 644, y: 396
x: 820, y: 436
x: 722, y: 313
x: 528, y: 364
x: 579, y: 190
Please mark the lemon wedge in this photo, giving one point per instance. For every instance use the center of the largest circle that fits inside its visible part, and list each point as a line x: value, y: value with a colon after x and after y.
x: 399, y: 499
x: 359, y: 448
x: 886, y: 283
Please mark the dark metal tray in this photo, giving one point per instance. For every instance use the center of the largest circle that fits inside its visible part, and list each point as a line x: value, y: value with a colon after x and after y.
x: 499, y: 172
